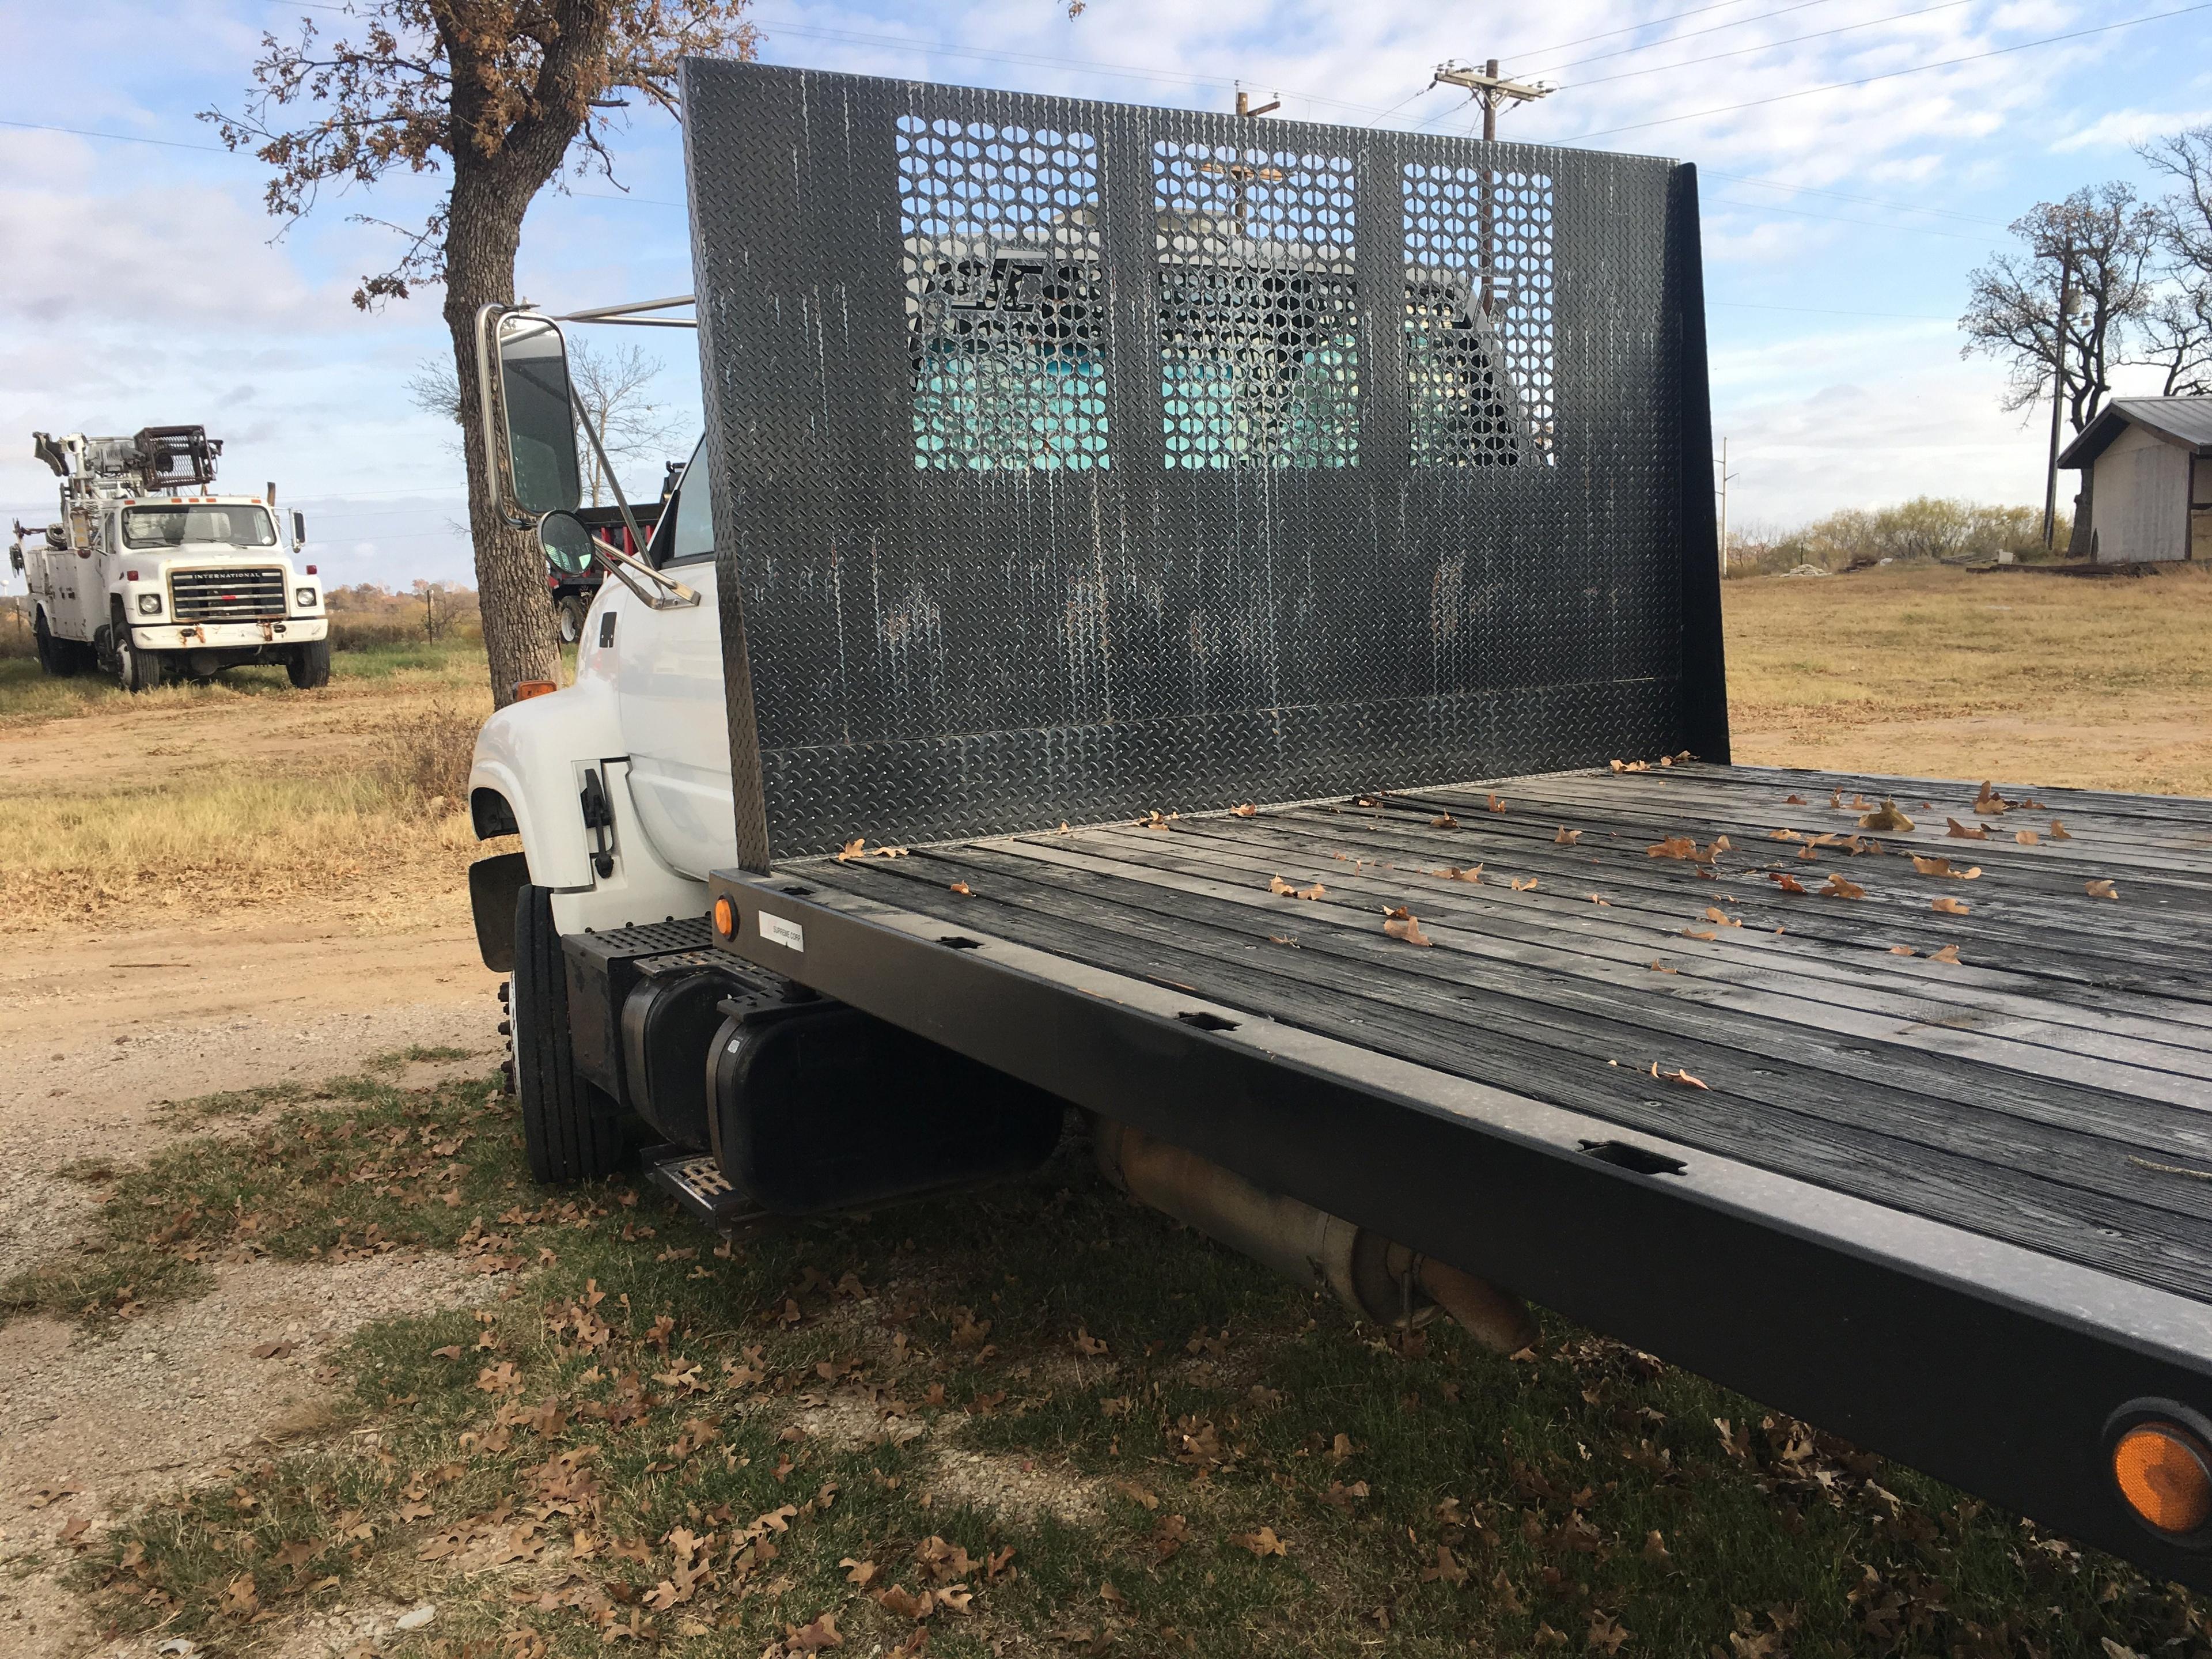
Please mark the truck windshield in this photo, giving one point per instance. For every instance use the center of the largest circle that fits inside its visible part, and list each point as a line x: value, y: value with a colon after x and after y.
x: 188, y: 526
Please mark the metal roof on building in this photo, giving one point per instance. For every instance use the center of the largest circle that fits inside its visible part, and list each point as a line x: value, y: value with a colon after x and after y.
x: 2183, y: 421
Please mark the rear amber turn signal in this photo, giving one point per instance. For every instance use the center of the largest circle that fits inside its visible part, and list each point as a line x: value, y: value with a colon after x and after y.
x: 524, y: 690
x: 2163, y: 1472
x: 726, y: 919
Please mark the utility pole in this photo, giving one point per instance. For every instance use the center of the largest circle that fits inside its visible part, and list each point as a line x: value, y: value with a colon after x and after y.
x: 1491, y: 91
x: 1727, y: 478
x: 2057, y: 395
x: 1244, y: 104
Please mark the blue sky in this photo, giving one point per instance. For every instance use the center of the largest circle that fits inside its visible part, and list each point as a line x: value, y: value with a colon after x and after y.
x: 143, y: 285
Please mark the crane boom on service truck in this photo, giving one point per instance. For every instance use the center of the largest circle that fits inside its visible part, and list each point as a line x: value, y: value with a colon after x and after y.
x: 147, y: 575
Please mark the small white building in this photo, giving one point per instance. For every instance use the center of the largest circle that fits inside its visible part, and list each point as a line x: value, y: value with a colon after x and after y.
x: 2146, y: 465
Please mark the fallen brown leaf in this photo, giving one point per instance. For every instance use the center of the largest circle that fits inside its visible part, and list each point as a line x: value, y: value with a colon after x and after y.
x: 1446, y: 821
x: 1401, y: 923
x: 1566, y: 837
x: 2059, y: 831
x: 963, y: 889
x: 1885, y: 817
x: 1313, y: 892
x: 2101, y: 888
x: 1262, y: 1543
x: 1496, y: 804
x: 1447, y: 1569
x: 1715, y: 914
x: 1528, y: 886
x: 1950, y: 907
x: 2027, y: 837
x: 1658, y: 966
x: 1949, y: 953
x: 1903, y: 951
x: 1598, y: 899
x: 1989, y: 803
x: 851, y: 850
x: 1705, y: 933
x: 1634, y: 766
x: 1928, y: 866
x: 1839, y: 887
x: 1247, y: 811
x: 1793, y: 800
x: 1960, y: 831
x: 858, y: 1572
x: 1453, y: 873
x: 1682, y: 1077
x: 1787, y: 884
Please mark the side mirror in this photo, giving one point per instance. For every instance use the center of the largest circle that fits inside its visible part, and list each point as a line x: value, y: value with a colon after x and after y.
x: 299, y: 530
x: 565, y: 542
x: 15, y: 556
x: 537, y: 465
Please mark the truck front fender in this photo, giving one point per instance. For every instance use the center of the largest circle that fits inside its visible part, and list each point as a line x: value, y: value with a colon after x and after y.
x: 527, y: 757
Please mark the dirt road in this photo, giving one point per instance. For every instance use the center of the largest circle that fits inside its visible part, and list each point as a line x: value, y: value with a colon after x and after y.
x: 104, y: 1032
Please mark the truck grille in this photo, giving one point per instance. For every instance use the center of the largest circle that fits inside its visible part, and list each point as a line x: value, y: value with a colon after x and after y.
x: 226, y: 595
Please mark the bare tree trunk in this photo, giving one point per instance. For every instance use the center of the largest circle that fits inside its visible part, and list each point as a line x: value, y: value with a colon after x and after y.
x: 518, y: 627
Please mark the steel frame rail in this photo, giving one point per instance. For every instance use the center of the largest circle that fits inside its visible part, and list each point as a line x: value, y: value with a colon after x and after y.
x: 1992, y: 1366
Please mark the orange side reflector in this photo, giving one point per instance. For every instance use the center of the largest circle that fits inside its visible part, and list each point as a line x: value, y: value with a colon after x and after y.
x: 524, y: 690
x: 726, y: 918
x: 2162, y: 1473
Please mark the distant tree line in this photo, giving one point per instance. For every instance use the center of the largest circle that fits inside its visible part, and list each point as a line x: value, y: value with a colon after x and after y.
x: 1927, y: 530
x: 367, y: 615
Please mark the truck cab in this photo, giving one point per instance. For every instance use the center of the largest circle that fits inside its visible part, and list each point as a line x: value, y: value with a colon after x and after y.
x: 150, y: 576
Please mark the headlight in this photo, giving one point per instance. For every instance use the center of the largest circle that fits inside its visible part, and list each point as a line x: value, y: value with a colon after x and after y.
x: 304, y: 598
x: 149, y: 604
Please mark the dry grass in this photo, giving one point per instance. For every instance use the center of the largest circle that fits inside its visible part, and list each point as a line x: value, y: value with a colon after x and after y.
x: 2103, y: 683
x: 242, y: 797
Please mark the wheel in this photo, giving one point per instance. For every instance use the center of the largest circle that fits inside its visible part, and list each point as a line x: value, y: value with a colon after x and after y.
x: 571, y: 1131
x: 309, y: 665
x: 572, y: 619
x: 56, y: 657
x: 135, y: 670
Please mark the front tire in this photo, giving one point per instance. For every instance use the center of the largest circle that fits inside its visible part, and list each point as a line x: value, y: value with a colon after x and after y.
x: 137, y: 670
x: 309, y: 666
x: 571, y: 1131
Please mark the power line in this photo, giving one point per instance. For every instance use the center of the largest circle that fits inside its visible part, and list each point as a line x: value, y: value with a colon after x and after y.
x: 1841, y: 196
x: 1127, y: 72
x: 1892, y: 75
x: 1651, y: 23
x: 1827, y: 311
x: 1838, y: 219
x: 1774, y: 46
x: 1672, y: 39
x: 116, y: 138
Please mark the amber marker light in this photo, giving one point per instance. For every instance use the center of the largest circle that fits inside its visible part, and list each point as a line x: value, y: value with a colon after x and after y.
x: 2163, y: 1472
x: 726, y: 919
x: 525, y: 690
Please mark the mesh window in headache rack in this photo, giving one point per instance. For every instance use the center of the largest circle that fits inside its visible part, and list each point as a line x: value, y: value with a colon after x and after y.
x: 1078, y: 459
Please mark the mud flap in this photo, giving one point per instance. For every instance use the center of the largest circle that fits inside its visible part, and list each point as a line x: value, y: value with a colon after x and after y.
x: 492, y: 884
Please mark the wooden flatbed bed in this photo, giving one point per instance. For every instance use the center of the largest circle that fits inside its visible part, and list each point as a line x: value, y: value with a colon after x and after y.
x: 2027, y: 1131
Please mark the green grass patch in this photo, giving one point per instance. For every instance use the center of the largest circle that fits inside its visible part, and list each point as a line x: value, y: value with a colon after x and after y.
x: 1034, y: 1418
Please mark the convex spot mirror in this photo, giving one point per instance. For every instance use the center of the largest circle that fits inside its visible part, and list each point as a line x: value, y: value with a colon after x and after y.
x: 541, y: 423
x: 566, y: 543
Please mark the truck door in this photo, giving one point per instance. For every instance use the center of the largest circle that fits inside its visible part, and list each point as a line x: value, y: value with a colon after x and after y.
x: 668, y: 669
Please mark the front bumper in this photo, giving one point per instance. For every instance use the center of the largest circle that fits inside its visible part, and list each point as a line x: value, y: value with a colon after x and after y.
x: 227, y: 637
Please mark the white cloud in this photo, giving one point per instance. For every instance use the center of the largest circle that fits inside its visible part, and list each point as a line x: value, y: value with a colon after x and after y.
x: 2124, y: 128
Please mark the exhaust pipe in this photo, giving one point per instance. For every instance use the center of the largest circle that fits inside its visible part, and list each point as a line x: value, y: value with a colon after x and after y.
x: 1380, y: 1281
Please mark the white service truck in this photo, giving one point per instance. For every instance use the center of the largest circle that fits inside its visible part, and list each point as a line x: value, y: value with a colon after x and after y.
x: 148, y: 575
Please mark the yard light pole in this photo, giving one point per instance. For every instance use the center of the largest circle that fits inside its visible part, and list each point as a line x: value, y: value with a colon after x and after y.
x: 2057, y: 395
x: 1725, y: 476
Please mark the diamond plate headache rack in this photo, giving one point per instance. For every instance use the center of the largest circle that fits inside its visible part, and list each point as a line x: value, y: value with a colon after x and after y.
x: 1074, y: 459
